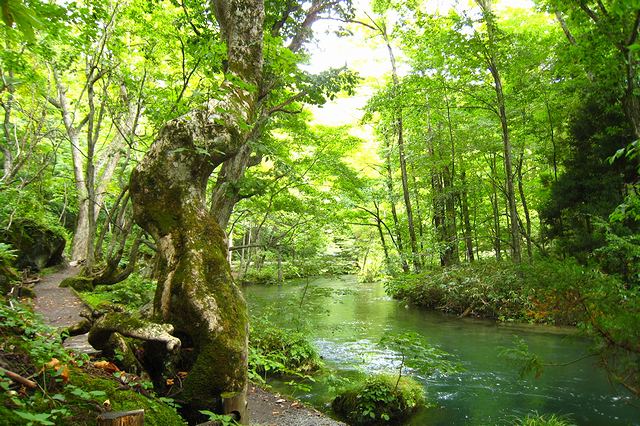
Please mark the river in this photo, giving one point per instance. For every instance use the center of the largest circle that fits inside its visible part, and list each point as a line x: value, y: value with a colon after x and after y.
x: 346, y: 320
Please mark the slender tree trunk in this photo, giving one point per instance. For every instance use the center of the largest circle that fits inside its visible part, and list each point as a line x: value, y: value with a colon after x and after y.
x: 525, y: 207
x: 394, y: 212
x: 451, y: 231
x: 496, y: 208
x: 449, y: 175
x: 516, y: 252
x: 82, y: 235
x: 419, y: 218
x: 468, y: 238
x: 387, y: 259
x: 401, y: 154
x: 280, y: 275
x: 553, y: 142
x: 439, y: 214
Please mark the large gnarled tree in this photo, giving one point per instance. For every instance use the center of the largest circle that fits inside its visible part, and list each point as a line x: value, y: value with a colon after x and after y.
x: 196, y: 293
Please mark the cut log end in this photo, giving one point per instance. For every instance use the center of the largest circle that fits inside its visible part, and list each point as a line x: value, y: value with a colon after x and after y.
x: 121, y: 418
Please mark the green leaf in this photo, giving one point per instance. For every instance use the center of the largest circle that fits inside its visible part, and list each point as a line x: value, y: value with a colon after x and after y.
x: 39, y: 418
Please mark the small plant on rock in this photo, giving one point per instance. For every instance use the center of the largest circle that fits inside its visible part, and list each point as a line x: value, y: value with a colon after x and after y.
x: 379, y: 399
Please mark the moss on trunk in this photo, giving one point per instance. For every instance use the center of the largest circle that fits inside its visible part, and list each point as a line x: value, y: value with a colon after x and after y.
x: 195, y: 293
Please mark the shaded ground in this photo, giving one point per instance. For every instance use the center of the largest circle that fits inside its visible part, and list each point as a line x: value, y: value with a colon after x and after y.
x: 60, y: 308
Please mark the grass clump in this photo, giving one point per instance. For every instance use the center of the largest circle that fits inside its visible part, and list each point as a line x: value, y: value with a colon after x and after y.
x: 536, y: 419
x: 379, y: 399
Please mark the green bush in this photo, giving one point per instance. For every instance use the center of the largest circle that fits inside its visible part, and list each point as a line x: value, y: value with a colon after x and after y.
x: 264, y: 276
x: 379, y: 399
x: 277, y: 351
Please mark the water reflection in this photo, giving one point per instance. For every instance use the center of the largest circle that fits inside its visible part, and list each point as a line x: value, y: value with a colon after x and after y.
x: 349, y: 319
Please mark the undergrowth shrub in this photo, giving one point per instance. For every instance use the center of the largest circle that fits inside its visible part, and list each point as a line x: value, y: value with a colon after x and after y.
x: 547, y: 291
x: 278, y: 351
x: 69, y: 390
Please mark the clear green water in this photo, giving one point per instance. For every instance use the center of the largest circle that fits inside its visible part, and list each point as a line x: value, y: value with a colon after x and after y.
x: 347, y: 325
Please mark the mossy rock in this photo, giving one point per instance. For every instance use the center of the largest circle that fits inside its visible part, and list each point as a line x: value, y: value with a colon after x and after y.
x: 156, y: 413
x: 78, y: 283
x: 55, y: 401
x: 83, y: 412
x: 37, y: 245
x: 378, y: 400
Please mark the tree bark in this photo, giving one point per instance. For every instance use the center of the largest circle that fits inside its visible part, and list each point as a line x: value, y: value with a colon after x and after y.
x: 468, y: 239
x: 497, y: 242
x: 387, y: 260
x: 226, y: 192
x: 196, y: 293
x: 394, y: 211
x: 525, y: 207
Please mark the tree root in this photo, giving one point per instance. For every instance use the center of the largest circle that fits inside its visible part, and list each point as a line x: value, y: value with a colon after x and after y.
x: 130, y: 326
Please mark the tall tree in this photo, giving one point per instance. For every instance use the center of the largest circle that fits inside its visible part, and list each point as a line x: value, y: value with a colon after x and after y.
x: 196, y: 292
x: 491, y: 58
x: 168, y: 187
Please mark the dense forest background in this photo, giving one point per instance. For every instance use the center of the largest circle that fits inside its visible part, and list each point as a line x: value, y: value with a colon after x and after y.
x: 501, y: 137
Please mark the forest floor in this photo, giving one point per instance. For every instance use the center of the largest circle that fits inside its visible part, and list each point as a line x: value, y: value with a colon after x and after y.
x: 61, y: 308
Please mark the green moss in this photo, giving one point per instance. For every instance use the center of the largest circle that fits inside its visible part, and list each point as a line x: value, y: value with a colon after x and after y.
x: 78, y: 283
x: 81, y: 397
x: 156, y: 413
x: 377, y: 400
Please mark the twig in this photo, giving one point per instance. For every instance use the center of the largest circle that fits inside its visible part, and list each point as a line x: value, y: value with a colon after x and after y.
x: 19, y: 379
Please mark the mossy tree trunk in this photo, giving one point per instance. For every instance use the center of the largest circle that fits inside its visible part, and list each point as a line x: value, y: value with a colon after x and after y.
x: 196, y: 293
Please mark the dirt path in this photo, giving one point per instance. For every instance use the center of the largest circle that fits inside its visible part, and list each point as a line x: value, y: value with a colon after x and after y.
x: 268, y: 409
x: 60, y: 308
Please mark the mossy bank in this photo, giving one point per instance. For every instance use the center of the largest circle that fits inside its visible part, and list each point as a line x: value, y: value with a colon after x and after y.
x: 68, y: 389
